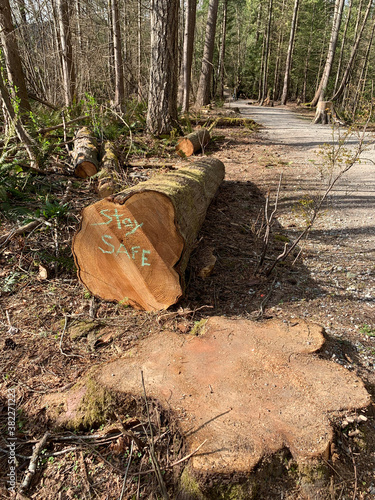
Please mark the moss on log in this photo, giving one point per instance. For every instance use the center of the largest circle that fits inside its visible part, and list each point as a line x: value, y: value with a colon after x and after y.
x: 85, y: 154
x: 133, y: 247
x: 193, y: 142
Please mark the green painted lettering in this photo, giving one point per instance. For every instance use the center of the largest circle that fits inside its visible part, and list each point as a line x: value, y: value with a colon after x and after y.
x: 104, y: 237
x: 102, y: 212
x: 123, y: 251
x: 136, y: 226
x: 144, y: 258
x: 117, y: 217
x: 134, y: 251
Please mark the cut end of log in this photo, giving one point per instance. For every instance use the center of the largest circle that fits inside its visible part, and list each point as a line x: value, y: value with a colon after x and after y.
x: 132, y: 253
x: 85, y: 169
x: 193, y: 142
x: 85, y: 154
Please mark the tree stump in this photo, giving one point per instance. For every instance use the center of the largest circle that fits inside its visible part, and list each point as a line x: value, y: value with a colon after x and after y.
x: 85, y: 154
x: 323, y: 112
x: 193, y: 142
x: 133, y: 247
x: 109, y: 178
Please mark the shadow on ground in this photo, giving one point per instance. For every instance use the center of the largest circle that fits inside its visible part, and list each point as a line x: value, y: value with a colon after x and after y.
x: 232, y: 230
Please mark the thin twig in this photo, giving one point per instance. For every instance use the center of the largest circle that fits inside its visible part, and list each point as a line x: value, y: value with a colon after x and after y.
x: 61, y: 341
x: 126, y: 472
x: 34, y: 461
x: 265, y: 300
x: 170, y: 466
x: 155, y: 464
x: 130, y: 434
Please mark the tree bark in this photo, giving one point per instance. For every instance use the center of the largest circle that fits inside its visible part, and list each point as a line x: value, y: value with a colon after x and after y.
x: 118, y: 60
x: 134, y: 246
x: 290, y: 53
x: 187, y: 56
x: 358, y: 36
x: 203, y: 94
x: 109, y: 175
x: 266, y: 55
x: 12, y: 56
x: 341, y: 56
x: 323, y: 112
x: 85, y: 154
x: 193, y: 142
x: 221, y: 68
x: 319, y: 95
x: 15, y: 119
x: 362, y: 78
x: 162, y: 99
x: 68, y: 69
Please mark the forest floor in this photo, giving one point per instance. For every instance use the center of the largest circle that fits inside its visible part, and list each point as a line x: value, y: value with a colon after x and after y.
x: 330, y: 280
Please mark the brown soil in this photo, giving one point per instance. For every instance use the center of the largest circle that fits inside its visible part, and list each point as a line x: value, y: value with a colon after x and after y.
x: 332, y: 282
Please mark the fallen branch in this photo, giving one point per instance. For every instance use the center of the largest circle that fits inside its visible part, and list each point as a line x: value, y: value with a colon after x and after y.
x: 23, y: 229
x: 34, y: 461
x: 154, y: 461
x: 170, y: 466
x: 61, y: 125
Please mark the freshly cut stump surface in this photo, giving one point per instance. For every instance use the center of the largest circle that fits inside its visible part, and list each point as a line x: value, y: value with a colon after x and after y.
x: 133, y: 247
x: 249, y: 389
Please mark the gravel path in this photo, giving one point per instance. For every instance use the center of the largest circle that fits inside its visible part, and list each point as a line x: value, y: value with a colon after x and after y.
x: 339, y: 253
x: 300, y: 142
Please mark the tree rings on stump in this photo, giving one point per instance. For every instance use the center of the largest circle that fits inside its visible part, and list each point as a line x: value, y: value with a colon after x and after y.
x: 133, y: 247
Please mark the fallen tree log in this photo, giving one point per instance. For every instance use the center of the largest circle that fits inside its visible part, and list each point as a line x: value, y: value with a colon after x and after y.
x: 85, y: 154
x: 133, y: 247
x: 224, y: 121
x: 193, y: 142
x: 109, y: 175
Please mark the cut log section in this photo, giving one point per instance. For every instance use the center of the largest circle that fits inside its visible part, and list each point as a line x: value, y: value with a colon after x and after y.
x: 193, y: 142
x: 85, y: 154
x: 133, y: 247
x: 109, y: 175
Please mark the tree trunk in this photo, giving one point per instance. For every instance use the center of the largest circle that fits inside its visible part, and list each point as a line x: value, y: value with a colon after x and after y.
x: 266, y: 55
x: 162, y: 99
x: 193, y: 142
x: 12, y: 57
x: 187, y: 56
x: 15, y: 119
x: 221, y: 68
x: 309, y: 47
x: 358, y: 36
x: 341, y: 56
x: 68, y: 70
x: 276, y: 91
x: 117, y: 49
x: 323, y: 112
x: 362, y: 78
x: 319, y: 95
x: 203, y: 94
x: 289, y: 53
x: 134, y: 247
x: 139, y: 51
x: 85, y: 154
